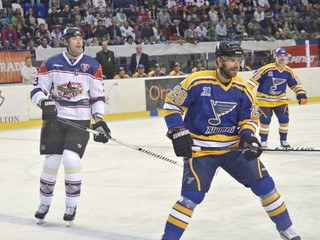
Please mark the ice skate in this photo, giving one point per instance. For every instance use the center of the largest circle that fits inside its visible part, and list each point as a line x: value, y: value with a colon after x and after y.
x: 284, y: 144
x: 41, y: 213
x: 289, y: 234
x: 264, y: 144
x: 69, y: 215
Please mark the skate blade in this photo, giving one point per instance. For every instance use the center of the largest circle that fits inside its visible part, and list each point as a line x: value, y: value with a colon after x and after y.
x: 40, y: 221
x: 69, y: 223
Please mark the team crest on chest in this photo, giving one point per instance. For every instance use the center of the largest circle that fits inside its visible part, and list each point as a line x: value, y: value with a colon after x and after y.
x: 84, y: 67
x: 70, y: 90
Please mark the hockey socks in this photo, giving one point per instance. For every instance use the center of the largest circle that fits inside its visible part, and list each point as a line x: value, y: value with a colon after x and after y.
x: 272, y: 202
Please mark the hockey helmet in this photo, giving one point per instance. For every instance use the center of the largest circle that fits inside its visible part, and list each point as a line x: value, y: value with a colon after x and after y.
x: 229, y: 49
x: 281, y: 51
x: 71, y: 32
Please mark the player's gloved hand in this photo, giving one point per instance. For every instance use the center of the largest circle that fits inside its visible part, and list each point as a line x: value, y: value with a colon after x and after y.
x: 251, y: 145
x: 49, y: 110
x: 104, y: 132
x: 302, y: 98
x: 181, y: 140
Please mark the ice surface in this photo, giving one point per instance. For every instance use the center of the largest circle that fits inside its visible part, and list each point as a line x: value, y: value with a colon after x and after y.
x: 127, y: 195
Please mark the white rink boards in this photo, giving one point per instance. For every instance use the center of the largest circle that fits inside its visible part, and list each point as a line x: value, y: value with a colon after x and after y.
x: 127, y: 195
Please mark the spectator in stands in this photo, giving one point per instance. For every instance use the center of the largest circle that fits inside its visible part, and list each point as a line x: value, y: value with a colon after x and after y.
x: 139, y: 58
x: 89, y: 16
x: 31, y: 21
x: 120, y: 16
x: 140, y: 72
x: 9, y: 34
x: 127, y: 30
x: 114, y: 32
x: 31, y: 45
x: 211, y: 33
x: 107, y: 60
x: 190, y: 35
x: 101, y: 30
x: 142, y: 15
x: 129, y: 41
x: 21, y: 34
x: 221, y: 30
x: 132, y: 14
x: 156, y: 72
x: 18, y: 18
x: 67, y: 15
x: 176, y: 70
x: 28, y: 72
x: 213, y: 15
x: 86, y: 4
x: 56, y: 34
x: 176, y: 28
x: 44, y: 44
x: 19, y: 46
x: 42, y: 32
x: 254, y: 27
x: 164, y: 16
x: 175, y: 14
x: 201, y: 32
x: 121, y: 74
x: 146, y: 30
x: 153, y: 13
x: 166, y: 30
x: 99, y: 5
x: 198, y: 67
x: 6, y: 46
x: 156, y: 29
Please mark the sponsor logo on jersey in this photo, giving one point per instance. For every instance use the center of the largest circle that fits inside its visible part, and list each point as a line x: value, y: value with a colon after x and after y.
x: 206, y: 92
x: 70, y: 90
x: 84, y: 67
x: 190, y: 180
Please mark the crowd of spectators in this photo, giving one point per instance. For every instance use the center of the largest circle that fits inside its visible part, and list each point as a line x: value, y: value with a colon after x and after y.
x: 131, y: 22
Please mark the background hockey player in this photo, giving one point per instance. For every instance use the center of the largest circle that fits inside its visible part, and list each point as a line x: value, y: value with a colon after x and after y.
x: 69, y: 86
x: 220, y: 111
x: 272, y: 80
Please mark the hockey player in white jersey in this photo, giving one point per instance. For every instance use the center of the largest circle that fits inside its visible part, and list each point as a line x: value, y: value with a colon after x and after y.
x: 68, y: 86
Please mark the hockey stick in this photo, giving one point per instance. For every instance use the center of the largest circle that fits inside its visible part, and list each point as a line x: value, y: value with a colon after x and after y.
x: 276, y: 149
x: 78, y: 126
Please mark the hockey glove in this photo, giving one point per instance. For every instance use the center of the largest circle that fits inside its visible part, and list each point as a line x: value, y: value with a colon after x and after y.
x: 302, y: 98
x: 251, y: 144
x: 181, y: 140
x: 49, y: 110
x: 104, y: 132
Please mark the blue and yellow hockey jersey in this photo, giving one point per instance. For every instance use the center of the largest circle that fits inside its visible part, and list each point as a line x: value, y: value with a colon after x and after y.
x: 215, y: 114
x: 272, y: 83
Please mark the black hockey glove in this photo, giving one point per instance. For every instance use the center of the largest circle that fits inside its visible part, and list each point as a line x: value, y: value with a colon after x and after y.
x: 104, y: 132
x: 251, y: 144
x: 181, y: 140
x: 302, y: 98
x: 49, y: 110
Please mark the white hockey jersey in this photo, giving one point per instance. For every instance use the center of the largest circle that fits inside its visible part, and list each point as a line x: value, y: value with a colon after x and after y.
x: 77, y: 88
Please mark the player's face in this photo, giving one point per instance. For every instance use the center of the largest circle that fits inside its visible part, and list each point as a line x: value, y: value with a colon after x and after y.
x: 75, y: 45
x: 281, y: 59
x: 231, y: 66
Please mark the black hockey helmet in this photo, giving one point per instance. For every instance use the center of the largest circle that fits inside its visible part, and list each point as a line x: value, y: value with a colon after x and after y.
x: 229, y: 49
x: 71, y: 32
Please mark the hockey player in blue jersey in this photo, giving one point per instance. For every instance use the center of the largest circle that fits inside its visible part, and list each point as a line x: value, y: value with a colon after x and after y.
x: 69, y: 86
x: 219, y: 111
x: 272, y: 81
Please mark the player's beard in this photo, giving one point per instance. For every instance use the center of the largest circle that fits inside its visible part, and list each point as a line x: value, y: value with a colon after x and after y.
x: 229, y: 73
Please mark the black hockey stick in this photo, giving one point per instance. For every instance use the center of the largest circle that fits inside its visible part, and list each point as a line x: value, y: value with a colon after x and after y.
x: 276, y: 149
x: 78, y: 126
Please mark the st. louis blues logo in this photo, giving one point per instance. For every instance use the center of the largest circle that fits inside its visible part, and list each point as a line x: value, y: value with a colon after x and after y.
x: 219, y: 109
x: 276, y: 82
x: 84, y: 67
x: 1, y: 99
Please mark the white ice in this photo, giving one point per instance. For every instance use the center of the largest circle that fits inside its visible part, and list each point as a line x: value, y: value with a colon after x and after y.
x: 127, y: 195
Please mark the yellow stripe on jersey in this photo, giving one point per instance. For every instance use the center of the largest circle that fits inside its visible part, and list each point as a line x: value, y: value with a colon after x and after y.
x: 195, y: 174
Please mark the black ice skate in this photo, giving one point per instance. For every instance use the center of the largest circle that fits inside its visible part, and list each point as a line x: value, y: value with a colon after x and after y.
x: 41, y: 213
x: 69, y: 215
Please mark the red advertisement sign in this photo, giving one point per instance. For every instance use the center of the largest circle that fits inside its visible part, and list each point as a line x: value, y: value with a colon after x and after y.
x: 10, y: 66
x: 298, y: 57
